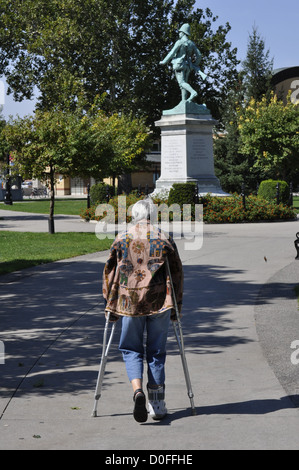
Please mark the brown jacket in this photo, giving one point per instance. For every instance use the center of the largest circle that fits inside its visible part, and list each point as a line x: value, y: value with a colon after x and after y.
x: 135, y: 282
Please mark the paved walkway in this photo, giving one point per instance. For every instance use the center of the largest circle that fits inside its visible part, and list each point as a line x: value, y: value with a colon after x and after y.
x: 240, y: 319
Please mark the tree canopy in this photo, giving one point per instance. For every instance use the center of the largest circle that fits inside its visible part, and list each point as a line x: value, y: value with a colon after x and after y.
x: 269, y: 132
x: 75, y: 143
x: 232, y: 165
x: 110, y: 47
x: 257, y: 68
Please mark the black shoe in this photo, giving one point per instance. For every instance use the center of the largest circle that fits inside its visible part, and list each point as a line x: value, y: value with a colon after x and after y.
x: 140, y: 411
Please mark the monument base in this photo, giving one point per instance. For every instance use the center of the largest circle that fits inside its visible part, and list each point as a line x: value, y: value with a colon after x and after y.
x: 187, y: 107
x: 187, y: 150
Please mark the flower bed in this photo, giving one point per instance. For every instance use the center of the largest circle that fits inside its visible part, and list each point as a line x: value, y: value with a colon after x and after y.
x: 231, y: 210
x: 216, y: 210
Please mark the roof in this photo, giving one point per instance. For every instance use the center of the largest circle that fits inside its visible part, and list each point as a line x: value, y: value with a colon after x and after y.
x: 279, y: 75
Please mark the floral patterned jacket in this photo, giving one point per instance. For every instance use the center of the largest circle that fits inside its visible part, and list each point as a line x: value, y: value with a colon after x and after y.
x: 135, y: 281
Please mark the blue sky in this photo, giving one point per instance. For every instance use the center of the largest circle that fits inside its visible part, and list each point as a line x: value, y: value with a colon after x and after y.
x: 276, y: 20
x: 277, y: 23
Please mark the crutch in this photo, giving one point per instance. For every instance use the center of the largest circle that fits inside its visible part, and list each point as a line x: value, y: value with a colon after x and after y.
x: 177, y: 326
x: 104, y: 358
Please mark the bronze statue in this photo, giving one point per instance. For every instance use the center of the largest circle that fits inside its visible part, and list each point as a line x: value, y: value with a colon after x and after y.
x: 181, y: 57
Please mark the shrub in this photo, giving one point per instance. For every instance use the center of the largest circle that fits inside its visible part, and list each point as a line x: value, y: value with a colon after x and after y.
x: 90, y: 214
x: 231, y: 210
x: 182, y: 193
x: 98, y: 193
x: 216, y: 210
x: 267, y: 190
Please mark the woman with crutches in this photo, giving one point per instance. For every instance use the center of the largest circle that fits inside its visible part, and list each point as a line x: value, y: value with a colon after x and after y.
x: 136, y: 287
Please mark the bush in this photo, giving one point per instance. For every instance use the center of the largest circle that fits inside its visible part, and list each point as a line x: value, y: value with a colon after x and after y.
x: 216, y: 210
x: 231, y: 210
x: 90, y: 214
x: 98, y: 193
x: 182, y: 193
x: 267, y: 190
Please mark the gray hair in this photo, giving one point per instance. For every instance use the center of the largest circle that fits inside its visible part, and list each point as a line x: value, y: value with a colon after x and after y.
x: 144, y: 209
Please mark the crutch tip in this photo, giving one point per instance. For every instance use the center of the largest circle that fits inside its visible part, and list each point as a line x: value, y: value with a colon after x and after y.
x: 193, y: 412
x: 94, y: 414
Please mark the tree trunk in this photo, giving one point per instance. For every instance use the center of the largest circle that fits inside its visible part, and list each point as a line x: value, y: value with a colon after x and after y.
x: 52, y: 200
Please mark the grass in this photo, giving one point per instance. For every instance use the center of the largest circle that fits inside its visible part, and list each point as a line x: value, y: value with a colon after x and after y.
x: 19, y: 250
x: 62, y: 206
x: 296, y: 203
x: 67, y: 206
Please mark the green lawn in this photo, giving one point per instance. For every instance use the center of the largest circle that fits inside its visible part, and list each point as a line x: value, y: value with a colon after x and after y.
x: 296, y: 203
x: 19, y: 250
x: 62, y: 206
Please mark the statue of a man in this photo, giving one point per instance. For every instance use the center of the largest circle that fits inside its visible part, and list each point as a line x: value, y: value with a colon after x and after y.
x: 181, y: 57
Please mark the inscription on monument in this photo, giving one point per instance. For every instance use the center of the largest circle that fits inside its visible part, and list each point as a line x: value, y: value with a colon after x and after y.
x: 174, y: 157
x: 199, y: 149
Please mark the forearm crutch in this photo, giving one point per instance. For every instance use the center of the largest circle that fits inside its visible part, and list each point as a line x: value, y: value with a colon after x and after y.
x: 177, y: 326
x: 105, y: 351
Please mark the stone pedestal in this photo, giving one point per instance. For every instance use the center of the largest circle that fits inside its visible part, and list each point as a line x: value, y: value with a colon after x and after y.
x: 187, y: 150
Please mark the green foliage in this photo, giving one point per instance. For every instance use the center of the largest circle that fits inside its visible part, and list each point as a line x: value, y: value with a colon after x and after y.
x: 232, y: 165
x: 121, y: 140
x: 51, y: 141
x: 182, y: 193
x: 110, y: 47
x: 4, y: 147
x: 216, y: 210
x: 257, y: 68
x: 98, y: 193
x: 269, y: 132
x: 118, y: 210
x: 267, y: 190
x: 76, y: 143
x: 231, y: 210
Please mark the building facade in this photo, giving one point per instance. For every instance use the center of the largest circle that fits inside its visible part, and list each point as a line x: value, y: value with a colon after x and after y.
x: 285, y: 82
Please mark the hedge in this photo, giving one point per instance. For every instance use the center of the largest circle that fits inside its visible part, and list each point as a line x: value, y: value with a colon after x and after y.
x: 98, y: 193
x: 182, y: 193
x: 268, y: 190
x: 219, y: 210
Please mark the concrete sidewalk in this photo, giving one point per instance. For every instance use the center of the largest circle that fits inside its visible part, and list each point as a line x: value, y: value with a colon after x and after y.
x: 240, y: 317
x: 28, y: 222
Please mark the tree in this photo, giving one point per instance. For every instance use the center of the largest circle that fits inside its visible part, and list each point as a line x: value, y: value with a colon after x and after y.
x: 232, y: 166
x: 4, y: 149
x: 269, y: 133
x: 49, y: 143
x: 127, y: 140
x: 257, y: 68
x: 112, y: 47
x: 74, y: 143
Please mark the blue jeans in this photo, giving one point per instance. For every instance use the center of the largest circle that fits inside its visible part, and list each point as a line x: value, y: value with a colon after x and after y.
x: 133, y: 350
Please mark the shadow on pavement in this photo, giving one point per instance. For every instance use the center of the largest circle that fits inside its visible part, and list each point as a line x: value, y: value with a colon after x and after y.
x: 52, y: 327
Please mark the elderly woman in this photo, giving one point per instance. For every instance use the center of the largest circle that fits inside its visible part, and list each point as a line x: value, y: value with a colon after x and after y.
x: 137, y: 288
